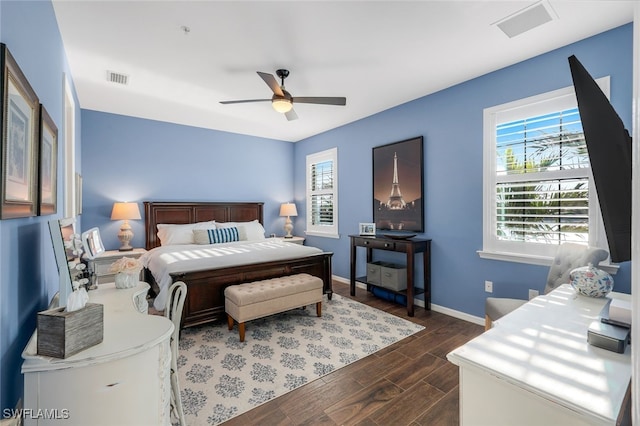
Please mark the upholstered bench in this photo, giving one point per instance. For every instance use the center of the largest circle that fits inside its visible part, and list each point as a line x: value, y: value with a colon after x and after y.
x: 246, y: 302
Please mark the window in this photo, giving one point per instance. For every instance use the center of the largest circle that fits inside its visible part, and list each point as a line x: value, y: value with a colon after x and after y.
x: 322, y: 193
x: 538, y: 189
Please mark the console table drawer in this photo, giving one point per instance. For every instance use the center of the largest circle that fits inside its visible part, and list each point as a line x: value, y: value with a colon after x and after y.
x: 377, y: 244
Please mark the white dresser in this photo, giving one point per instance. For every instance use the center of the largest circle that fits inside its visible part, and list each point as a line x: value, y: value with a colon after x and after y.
x: 535, y: 367
x: 122, y: 381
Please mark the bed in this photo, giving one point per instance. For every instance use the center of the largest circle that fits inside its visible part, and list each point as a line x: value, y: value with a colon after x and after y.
x: 205, y: 285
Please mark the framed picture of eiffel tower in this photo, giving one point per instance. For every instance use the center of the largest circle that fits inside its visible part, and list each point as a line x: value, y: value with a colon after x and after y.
x: 398, y: 182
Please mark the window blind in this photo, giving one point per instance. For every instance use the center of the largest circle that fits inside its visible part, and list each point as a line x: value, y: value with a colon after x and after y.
x: 322, y: 193
x: 542, y: 179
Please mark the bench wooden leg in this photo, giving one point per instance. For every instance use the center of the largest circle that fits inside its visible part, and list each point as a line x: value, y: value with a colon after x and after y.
x: 230, y: 322
x: 241, y: 331
x: 319, y: 309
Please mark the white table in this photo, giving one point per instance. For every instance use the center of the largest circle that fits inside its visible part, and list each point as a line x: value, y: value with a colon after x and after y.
x: 122, y: 381
x: 535, y: 367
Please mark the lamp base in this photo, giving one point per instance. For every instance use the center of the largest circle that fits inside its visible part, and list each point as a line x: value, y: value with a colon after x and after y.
x: 288, y: 227
x: 125, y: 236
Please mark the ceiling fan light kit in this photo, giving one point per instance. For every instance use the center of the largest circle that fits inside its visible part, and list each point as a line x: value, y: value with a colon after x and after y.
x: 282, y: 101
x: 281, y: 104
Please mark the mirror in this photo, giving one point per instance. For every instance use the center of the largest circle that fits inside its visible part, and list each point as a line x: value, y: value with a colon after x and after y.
x: 67, y: 249
x: 92, y: 243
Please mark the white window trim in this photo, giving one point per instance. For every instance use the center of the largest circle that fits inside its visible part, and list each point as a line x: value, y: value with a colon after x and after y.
x: 324, y: 231
x: 536, y: 254
x: 70, y: 202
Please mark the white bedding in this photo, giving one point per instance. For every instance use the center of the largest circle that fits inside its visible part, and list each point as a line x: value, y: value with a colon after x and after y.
x: 162, y: 261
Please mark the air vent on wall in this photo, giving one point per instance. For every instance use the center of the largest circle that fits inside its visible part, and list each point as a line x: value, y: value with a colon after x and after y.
x: 526, y: 19
x: 118, y: 78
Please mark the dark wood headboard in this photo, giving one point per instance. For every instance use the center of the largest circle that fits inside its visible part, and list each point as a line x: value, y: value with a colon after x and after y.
x: 180, y: 212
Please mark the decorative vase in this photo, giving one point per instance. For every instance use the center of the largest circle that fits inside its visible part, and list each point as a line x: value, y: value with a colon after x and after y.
x: 127, y: 280
x: 590, y: 281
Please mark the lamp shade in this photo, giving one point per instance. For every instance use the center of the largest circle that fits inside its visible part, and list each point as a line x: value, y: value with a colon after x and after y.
x: 288, y: 209
x: 125, y: 211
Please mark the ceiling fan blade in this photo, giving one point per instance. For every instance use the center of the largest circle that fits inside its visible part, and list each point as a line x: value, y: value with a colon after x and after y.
x: 244, y: 101
x: 320, y: 100
x: 271, y: 82
x: 291, y: 115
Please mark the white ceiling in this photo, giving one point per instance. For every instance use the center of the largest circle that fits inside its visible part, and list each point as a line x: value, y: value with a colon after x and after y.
x: 378, y: 54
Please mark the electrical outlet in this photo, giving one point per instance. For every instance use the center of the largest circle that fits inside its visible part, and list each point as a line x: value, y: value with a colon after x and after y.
x: 488, y: 286
x: 533, y: 293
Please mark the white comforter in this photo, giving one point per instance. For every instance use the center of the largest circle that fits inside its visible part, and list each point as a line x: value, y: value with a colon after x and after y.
x: 162, y: 261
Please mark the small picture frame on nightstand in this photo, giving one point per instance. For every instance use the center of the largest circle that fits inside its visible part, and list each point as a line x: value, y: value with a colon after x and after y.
x: 368, y: 229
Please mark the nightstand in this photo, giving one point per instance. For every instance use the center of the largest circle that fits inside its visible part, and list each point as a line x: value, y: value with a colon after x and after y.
x: 101, y: 264
x: 294, y: 240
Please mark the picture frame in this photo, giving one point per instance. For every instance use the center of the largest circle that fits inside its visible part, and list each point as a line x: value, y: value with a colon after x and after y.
x: 367, y: 229
x: 398, y: 186
x: 48, y: 170
x: 19, y: 144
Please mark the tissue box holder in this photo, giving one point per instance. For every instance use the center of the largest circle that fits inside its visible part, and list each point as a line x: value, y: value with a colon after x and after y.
x: 62, y: 334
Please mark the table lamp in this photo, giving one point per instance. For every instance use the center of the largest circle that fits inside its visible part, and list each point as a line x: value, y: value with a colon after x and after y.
x: 125, y: 211
x: 288, y: 210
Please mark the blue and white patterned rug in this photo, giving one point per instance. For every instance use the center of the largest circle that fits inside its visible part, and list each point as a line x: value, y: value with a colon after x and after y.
x: 221, y: 378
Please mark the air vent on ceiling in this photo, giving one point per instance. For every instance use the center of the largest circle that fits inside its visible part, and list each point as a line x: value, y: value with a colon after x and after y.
x: 526, y: 19
x: 118, y: 78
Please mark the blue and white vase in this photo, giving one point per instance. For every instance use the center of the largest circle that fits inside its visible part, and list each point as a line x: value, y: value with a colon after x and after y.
x: 590, y: 281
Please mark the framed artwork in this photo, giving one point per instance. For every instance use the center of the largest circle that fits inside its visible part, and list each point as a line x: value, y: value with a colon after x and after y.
x: 20, y: 124
x: 48, y: 187
x: 368, y: 229
x: 398, y: 181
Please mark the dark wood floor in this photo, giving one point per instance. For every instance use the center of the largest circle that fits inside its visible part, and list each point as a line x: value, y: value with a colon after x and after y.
x: 408, y: 383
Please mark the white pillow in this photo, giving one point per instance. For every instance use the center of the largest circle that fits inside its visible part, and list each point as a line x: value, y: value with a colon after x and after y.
x: 173, y: 234
x: 250, y: 230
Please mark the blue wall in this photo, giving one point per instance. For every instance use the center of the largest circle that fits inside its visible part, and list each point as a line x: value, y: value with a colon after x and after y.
x: 28, y: 274
x: 451, y: 123
x: 133, y: 159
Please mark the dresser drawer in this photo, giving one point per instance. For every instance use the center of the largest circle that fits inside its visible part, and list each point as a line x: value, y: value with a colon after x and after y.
x: 102, y: 268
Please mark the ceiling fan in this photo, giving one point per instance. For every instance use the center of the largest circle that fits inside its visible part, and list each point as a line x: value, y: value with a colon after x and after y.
x: 282, y: 101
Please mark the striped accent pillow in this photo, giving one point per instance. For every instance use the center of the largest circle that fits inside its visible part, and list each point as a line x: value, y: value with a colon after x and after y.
x: 216, y: 236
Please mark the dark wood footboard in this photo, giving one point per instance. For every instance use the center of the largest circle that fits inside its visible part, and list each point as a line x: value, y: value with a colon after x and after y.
x: 205, y: 289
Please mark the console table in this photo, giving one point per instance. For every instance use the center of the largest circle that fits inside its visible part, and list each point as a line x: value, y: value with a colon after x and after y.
x: 411, y: 247
x: 124, y: 380
x: 535, y: 367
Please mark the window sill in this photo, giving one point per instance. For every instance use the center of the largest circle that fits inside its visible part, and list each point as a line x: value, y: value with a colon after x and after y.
x: 321, y: 234
x: 535, y: 260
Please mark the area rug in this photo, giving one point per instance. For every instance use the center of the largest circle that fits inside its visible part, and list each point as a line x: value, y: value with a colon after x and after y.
x: 220, y: 377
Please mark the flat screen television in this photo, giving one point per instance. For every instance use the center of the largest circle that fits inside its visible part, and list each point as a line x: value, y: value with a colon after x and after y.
x: 609, y: 147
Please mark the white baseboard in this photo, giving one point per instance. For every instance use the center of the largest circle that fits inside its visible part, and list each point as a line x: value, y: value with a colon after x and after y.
x: 418, y: 302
